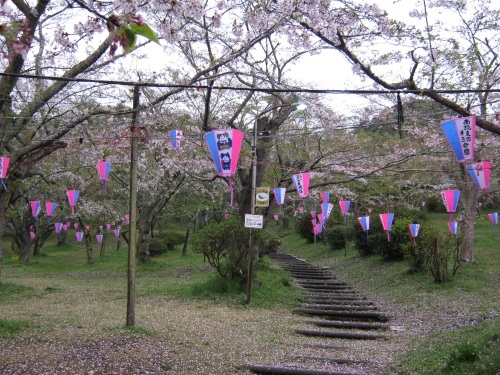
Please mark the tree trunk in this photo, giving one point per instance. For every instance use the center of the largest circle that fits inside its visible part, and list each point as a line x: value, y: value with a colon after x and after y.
x: 286, y: 222
x: 24, y: 250
x: 103, y: 244
x: 2, y: 227
x: 469, y: 193
x: 36, y: 247
x: 186, y: 240
x: 192, y: 222
x: 144, y: 233
x: 88, y: 246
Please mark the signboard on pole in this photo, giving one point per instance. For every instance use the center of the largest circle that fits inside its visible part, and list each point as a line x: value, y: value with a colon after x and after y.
x: 262, y: 197
x: 254, y: 221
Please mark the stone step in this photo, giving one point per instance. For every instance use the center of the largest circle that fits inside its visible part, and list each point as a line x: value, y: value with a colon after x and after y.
x: 344, y: 324
x: 335, y: 301
x: 341, y: 334
x: 339, y: 307
x: 276, y: 370
x: 357, y: 315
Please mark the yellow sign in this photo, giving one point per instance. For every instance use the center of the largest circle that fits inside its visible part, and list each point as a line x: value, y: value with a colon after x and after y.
x: 262, y: 197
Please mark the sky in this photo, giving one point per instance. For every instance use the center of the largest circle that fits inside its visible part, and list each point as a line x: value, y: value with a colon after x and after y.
x: 332, y: 71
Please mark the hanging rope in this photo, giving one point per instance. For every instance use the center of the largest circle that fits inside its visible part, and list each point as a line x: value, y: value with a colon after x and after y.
x: 401, y: 118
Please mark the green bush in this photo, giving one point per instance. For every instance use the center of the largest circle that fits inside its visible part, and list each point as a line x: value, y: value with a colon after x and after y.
x: 434, y: 204
x: 377, y: 241
x: 166, y: 241
x: 304, y: 227
x: 337, y: 234
x: 266, y: 242
x: 225, y: 246
x: 439, y: 248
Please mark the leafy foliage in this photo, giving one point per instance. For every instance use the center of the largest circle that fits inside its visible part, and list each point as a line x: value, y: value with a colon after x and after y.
x: 338, y: 232
x: 440, y: 248
x: 225, y: 246
x: 163, y: 242
x: 304, y: 228
x: 378, y: 242
x: 10, y: 328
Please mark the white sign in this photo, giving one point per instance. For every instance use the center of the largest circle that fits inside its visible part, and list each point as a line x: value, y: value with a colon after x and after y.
x: 254, y: 221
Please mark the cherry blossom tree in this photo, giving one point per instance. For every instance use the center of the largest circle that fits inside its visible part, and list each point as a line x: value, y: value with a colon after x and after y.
x: 439, y: 58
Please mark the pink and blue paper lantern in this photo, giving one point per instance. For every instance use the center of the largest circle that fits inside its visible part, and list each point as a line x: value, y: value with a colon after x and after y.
x: 279, y: 195
x: 450, y: 201
x: 344, y: 208
x: 494, y: 219
x: 79, y: 236
x: 175, y: 139
x: 73, y: 198
x: 50, y: 207
x: 325, y: 197
x: 461, y: 133
x: 4, y: 168
x: 35, y: 208
x: 414, y: 231
x: 58, y: 227
x: 103, y: 168
x: 387, y: 220
x: 301, y: 183
x: 225, y: 147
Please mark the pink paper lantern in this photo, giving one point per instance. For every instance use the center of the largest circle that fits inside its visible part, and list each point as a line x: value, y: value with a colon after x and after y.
x: 461, y: 133
x: 387, y: 220
x: 73, y: 198
x: 4, y: 168
x: 103, y: 168
x: 325, y: 197
x: 279, y: 195
x: 50, y: 207
x: 301, y: 183
x: 79, y: 236
x: 450, y: 201
x: 414, y: 231
x: 225, y: 147
x: 175, y: 139
x: 35, y: 208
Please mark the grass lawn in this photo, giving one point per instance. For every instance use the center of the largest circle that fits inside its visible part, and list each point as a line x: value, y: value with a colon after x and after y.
x: 60, y: 315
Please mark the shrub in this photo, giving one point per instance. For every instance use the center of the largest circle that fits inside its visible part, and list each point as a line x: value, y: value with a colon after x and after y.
x: 225, y: 246
x: 164, y: 242
x: 304, y: 227
x: 377, y: 241
x: 434, y: 204
x: 461, y: 354
x: 337, y: 234
x: 266, y: 242
x: 439, y: 248
x: 416, y: 253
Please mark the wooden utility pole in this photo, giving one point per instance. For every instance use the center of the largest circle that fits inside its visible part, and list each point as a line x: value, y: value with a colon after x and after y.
x: 132, y: 243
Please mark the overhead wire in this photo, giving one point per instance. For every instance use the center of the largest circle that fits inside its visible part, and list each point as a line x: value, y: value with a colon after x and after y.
x: 253, y: 89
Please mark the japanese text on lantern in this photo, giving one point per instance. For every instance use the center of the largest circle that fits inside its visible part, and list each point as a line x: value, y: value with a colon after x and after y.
x: 465, y: 136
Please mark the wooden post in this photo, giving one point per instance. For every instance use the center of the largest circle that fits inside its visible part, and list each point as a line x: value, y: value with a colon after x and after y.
x: 132, y: 244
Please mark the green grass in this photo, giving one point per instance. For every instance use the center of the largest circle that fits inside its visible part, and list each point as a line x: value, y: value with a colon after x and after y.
x: 9, y: 328
x: 9, y: 291
x: 169, y: 276
x: 469, y: 349
x: 472, y: 346
x: 473, y: 350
